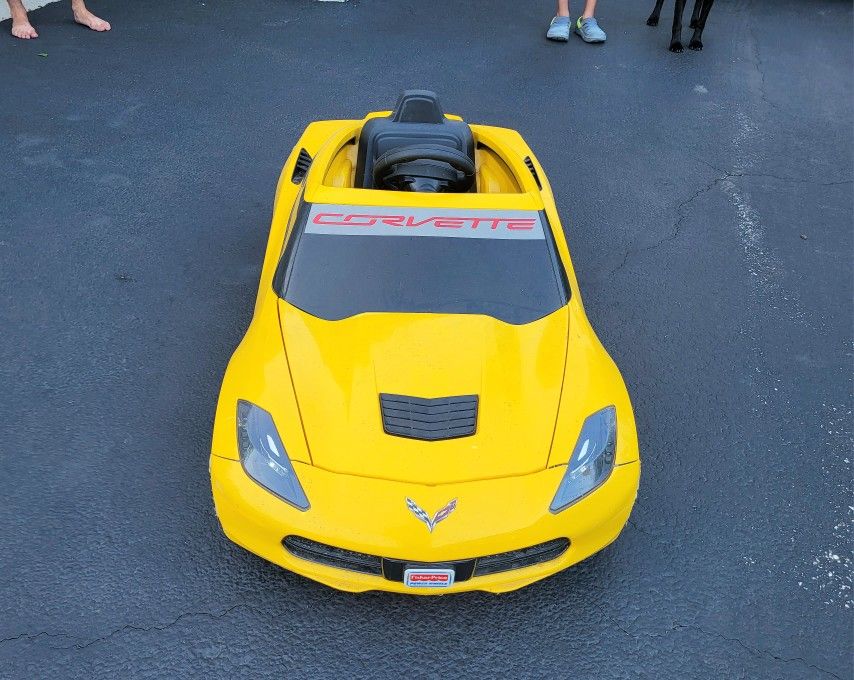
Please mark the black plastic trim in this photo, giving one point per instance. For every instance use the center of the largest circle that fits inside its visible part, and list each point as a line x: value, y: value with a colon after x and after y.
x: 285, y: 267
x: 524, y: 557
x: 429, y: 419
x: 303, y: 163
x: 533, y: 170
x: 341, y: 558
x: 392, y: 569
x: 557, y: 265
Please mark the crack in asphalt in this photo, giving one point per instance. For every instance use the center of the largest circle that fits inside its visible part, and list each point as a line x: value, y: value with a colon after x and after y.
x: 798, y: 180
x: 34, y: 636
x: 122, y: 629
x: 758, y: 64
x: 725, y: 175
x: 763, y: 652
x: 782, y: 178
x: 224, y: 613
x: 759, y: 67
x: 144, y: 629
x: 677, y: 226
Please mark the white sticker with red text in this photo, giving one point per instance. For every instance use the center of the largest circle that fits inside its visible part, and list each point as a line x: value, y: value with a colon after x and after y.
x: 428, y: 578
x: 362, y: 220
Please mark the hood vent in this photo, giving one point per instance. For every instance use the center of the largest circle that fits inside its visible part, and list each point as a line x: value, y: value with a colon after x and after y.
x: 303, y: 163
x: 533, y: 170
x: 429, y: 419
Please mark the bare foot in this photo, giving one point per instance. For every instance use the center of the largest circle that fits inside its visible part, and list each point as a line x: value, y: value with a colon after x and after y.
x: 23, y: 29
x: 86, y: 18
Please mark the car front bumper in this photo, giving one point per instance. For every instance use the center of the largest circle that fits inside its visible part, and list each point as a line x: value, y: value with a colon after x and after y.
x: 370, y: 516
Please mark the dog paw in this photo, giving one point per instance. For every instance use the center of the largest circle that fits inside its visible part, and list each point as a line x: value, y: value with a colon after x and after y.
x: 696, y: 45
x: 652, y: 21
x: 675, y: 46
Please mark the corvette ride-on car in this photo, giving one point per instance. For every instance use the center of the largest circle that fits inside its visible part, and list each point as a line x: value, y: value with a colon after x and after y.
x: 420, y: 404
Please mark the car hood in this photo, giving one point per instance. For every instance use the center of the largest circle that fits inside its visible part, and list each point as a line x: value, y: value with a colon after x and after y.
x: 339, y: 369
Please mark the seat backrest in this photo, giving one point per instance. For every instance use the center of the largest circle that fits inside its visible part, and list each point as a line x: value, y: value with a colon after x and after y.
x: 417, y: 119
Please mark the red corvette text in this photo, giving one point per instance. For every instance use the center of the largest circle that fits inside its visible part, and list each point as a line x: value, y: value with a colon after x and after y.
x: 408, y: 221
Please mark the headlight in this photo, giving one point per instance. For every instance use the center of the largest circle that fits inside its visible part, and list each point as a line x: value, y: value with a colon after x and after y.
x: 263, y: 455
x: 592, y: 460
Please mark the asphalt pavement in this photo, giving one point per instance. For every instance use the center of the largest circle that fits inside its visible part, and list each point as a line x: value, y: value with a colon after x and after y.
x: 707, y: 199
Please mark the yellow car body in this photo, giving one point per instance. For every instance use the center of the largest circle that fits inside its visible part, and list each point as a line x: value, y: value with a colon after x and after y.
x: 320, y: 381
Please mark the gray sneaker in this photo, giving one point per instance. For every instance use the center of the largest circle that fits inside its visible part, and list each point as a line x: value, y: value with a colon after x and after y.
x: 559, y: 29
x: 589, y: 30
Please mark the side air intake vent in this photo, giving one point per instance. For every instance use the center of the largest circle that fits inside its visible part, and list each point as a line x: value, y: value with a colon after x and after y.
x: 533, y: 170
x: 321, y: 553
x: 517, y: 559
x: 301, y: 166
x: 429, y: 419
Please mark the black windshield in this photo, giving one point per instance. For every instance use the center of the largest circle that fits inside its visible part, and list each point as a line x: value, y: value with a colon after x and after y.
x: 344, y: 271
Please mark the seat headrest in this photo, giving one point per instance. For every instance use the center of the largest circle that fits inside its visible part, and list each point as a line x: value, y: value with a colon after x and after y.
x: 418, y: 106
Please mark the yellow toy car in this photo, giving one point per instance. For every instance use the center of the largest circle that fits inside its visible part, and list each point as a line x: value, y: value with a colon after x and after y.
x: 420, y: 404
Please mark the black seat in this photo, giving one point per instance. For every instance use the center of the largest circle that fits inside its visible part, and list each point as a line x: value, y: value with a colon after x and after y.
x: 417, y: 119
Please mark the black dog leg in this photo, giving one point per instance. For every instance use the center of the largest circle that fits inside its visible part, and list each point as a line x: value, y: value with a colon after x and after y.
x: 695, y: 15
x: 656, y: 13
x: 697, y: 39
x: 676, y: 38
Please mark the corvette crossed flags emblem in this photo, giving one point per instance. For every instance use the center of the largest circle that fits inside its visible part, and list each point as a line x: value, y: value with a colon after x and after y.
x: 424, y: 517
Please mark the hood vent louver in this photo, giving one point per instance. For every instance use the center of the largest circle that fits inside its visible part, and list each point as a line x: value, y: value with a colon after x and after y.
x: 301, y: 166
x: 429, y: 419
x: 533, y: 170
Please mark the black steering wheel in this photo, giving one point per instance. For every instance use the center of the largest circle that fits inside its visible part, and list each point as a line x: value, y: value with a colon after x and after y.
x: 424, y: 167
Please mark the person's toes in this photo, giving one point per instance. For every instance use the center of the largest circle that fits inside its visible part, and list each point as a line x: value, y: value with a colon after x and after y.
x: 91, y: 21
x: 24, y: 31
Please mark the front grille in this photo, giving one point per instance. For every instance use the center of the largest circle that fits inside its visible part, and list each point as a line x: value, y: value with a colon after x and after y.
x: 429, y: 419
x: 526, y: 557
x: 333, y: 557
x: 393, y: 569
